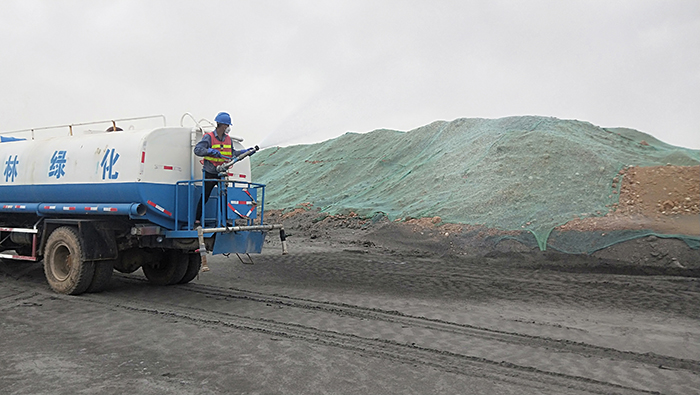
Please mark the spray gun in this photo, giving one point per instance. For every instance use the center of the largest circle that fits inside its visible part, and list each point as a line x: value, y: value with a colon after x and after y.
x: 223, y: 168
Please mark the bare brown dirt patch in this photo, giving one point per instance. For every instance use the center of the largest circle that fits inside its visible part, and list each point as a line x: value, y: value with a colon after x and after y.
x: 660, y: 198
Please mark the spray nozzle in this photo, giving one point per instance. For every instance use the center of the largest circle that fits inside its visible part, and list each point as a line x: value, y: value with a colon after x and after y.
x: 223, y: 168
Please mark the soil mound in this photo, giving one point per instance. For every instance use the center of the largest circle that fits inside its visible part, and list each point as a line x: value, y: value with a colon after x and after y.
x: 528, y: 175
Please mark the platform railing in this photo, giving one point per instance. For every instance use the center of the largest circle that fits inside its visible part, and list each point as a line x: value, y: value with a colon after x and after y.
x: 221, y: 207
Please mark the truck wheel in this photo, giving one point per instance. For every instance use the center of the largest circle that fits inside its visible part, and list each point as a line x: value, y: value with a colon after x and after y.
x: 169, y: 269
x: 102, y: 276
x: 193, y: 267
x: 132, y: 259
x: 66, y: 270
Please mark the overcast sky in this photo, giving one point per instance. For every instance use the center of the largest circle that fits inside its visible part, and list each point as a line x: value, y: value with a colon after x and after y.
x: 305, y: 71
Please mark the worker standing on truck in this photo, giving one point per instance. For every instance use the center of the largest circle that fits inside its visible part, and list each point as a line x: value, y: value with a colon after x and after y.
x: 217, y: 148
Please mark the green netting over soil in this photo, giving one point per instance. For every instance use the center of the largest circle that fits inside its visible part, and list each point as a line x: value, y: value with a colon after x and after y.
x: 517, y: 173
x: 577, y: 242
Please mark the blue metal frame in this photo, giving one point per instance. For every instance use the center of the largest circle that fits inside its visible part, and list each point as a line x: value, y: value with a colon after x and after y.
x: 221, y: 209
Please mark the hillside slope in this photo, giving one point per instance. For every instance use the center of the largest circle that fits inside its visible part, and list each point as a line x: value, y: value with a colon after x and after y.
x: 514, y: 173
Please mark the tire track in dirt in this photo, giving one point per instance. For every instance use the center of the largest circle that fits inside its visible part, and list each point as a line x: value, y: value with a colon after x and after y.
x: 483, y: 283
x: 452, y: 278
x: 445, y: 326
x: 442, y: 344
x: 443, y: 360
x: 576, y: 361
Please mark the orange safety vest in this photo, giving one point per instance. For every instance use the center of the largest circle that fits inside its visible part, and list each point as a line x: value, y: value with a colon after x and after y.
x: 224, y: 147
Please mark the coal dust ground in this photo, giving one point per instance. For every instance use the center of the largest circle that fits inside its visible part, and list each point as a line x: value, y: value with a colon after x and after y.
x: 363, y: 308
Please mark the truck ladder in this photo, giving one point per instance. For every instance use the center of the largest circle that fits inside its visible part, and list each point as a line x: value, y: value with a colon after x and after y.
x: 34, y: 232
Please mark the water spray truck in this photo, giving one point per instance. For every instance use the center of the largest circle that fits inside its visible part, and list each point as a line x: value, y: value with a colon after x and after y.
x: 88, y: 201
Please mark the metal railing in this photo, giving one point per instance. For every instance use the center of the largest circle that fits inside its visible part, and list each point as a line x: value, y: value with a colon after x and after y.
x: 73, y: 125
x: 221, y: 208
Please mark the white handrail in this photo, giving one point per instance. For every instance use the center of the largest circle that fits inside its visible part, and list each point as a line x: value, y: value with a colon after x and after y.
x: 72, y: 125
x: 182, y: 119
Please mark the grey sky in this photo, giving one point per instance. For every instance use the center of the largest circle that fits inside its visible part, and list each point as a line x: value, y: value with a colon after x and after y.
x: 306, y: 71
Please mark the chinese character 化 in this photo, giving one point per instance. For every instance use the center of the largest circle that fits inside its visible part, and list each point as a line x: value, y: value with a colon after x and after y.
x: 108, y: 161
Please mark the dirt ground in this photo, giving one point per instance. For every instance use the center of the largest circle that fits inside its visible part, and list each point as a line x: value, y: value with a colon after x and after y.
x: 371, y: 306
x: 661, y: 198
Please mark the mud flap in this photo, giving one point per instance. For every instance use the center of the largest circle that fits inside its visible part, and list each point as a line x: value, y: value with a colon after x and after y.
x: 97, y: 237
x: 244, y: 242
x: 99, y: 241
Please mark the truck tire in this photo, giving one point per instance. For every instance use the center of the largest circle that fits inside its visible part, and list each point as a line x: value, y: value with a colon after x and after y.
x: 66, y: 270
x: 193, y: 267
x: 102, y: 276
x: 132, y: 259
x: 168, y: 270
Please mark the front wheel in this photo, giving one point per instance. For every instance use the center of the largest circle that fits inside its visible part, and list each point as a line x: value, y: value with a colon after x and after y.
x: 66, y: 270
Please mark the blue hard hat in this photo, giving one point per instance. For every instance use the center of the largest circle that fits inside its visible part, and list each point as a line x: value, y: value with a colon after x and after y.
x: 224, y: 118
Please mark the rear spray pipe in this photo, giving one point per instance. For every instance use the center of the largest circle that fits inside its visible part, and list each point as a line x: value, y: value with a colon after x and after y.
x: 202, y: 249
x: 265, y: 228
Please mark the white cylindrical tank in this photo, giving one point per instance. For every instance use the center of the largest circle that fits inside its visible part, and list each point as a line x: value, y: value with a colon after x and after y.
x: 104, y: 167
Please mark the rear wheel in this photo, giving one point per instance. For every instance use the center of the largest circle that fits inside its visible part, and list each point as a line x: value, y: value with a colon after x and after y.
x: 66, y: 270
x: 169, y: 269
x: 102, y: 276
x: 193, y: 267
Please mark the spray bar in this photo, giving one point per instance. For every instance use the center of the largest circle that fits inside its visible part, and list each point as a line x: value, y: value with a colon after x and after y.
x: 283, y: 237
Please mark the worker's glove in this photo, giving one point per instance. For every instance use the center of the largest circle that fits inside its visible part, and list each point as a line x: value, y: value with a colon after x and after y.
x: 214, y: 153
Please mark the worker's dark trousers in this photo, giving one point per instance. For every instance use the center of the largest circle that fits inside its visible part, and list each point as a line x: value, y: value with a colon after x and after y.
x: 208, y: 186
